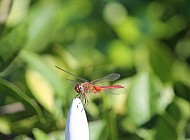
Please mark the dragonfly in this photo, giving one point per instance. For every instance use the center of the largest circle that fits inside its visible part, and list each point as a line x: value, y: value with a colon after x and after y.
x: 90, y: 86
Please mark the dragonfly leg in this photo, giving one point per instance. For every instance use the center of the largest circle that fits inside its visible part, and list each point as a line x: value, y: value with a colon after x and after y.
x: 85, y: 99
x: 78, y: 95
x: 81, y: 96
x: 86, y: 102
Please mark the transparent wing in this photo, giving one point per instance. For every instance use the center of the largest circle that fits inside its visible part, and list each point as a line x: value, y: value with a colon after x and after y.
x: 115, y: 91
x: 110, y: 77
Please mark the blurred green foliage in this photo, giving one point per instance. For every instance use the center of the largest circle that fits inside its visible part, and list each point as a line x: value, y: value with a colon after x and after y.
x: 147, y: 42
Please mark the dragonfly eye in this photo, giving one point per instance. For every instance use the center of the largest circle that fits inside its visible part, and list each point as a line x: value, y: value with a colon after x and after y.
x: 79, y: 88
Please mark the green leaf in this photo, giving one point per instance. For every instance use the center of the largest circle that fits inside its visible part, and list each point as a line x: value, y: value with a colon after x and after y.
x: 171, y: 125
x: 144, y: 99
x: 11, y: 45
x: 10, y: 89
x: 120, y: 54
x: 25, y: 124
x: 165, y: 130
x: 39, y: 134
x: 37, y: 63
x: 41, y: 88
x: 5, y: 126
x: 40, y: 33
x: 46, y: 70
x: 161, y: 61
x: 99, y: 127
x: 21, y: 137
x: 179, y: 110
x: 182, y: 90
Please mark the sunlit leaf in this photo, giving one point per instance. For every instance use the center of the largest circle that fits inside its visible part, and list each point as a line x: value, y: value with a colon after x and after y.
x: 41, y: 89
x: 129, y: 31
x: 5, y: 126
x: 144, y: 99
x: 120, y: 54
x: 40, y: 32
x: 115, y: 13
x: 36, y: 62
x: 39, y: 134
x: 16, y: 17
x: 45, y: 69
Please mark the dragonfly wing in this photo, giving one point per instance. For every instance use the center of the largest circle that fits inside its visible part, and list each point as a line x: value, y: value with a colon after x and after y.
x: 114, y: 90
x: 110, y: 77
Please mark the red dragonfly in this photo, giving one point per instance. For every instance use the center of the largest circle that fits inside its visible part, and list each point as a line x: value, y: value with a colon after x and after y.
x: 83, y: 88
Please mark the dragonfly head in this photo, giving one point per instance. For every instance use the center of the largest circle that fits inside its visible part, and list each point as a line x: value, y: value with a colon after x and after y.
x: 79, y: 88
